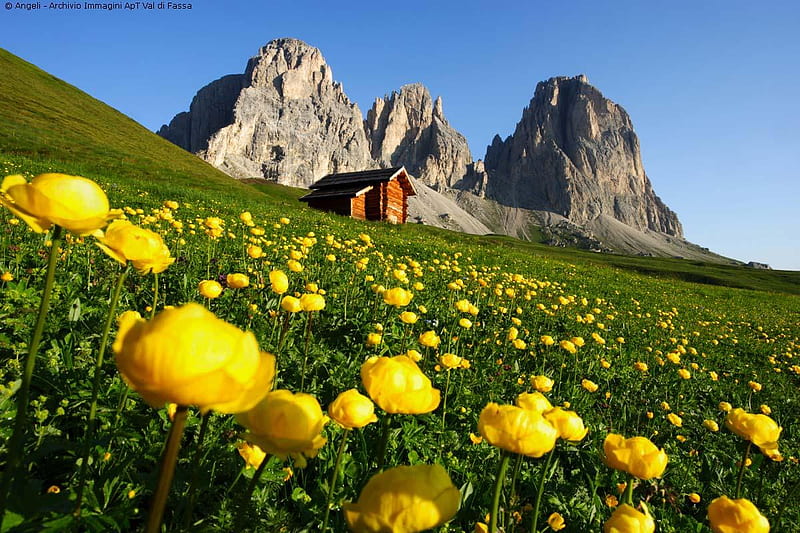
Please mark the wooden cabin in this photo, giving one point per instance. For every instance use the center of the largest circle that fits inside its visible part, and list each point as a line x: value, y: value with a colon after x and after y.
x: 368, y: 195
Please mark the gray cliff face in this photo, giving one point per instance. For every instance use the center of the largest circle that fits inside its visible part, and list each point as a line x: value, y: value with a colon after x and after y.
x: 284, y: 119
x: 408, y: 128
x: 574, y: 153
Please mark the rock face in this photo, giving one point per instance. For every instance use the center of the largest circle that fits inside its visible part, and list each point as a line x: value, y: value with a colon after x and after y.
x: 408, y: 128
x: 284, y: 119
x: 574, y: 153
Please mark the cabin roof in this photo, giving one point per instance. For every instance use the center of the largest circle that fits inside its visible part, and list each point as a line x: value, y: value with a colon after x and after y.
x: 354, y: 181
x: 336, y: 192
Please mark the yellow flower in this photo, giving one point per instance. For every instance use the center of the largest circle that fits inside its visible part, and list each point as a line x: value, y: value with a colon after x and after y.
x: 556, y: 522
x: 547, y: 340
x: 577, y: 341
x: 398, y: 297
x: 352, y: 409
x: 429, y: 339
x: 641, y: 367
x: 611, y: 501
x: 414, y: 355
x: 286, y: 424
x: 693, y: 497
x: 187, y: 356
x: 512, y: 333
x: 254, y: 251
x: 725, y: 406
x: 404, y: 499
x: 294, y: 266
x: 761, y: 430
x: 626, y: 519
x: 675, y: 420
x: 519, y: 344
x: 237, y: 281
x: 637, y: 456
x: 374, y: 339
x: 589, y: 385
x: 408, y: 317
x: 7, y: 276
x: 397, y: 385
x: 210, y: 288
x: 76, y: 204
x: 124, y: 242
x: 711, y: 425
x: 542, y: 383
x: 568, y: 346
x: 285, y: 221
x: 252, y: 454
x: 685, y: 374
x: 481, y: 527
x: 736, y: 516
x: 534, y: 401
x: 598, y: 339
x: 475, y: 439
x: 312, y: 302
x: 171, y: 204
x: 291, y: 304
x: 568, y: 423
x: 450, y: 360
x: 517, y: 430
x: 278, y: 281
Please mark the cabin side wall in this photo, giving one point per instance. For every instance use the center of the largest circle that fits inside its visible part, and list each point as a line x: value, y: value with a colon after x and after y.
x: 358, y: 207
x: 373, y: 208
x: 396, y: 206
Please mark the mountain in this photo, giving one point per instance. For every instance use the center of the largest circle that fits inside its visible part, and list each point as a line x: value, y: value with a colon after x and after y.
x: 408, y: 128
x: 574, y: 153
x: 284, y: 119
x: 571, y: 174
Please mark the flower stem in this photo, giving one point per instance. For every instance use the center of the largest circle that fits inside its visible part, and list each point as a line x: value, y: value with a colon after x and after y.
x: 741, y: 470
x: 191, y: 495
x: 98, y: 368
x: 17, y: 436
x: 166, y: 470
x: 385, y: 426
x: 305, y: 356
x: 155, y: 296
x: 786, y: 500
x: 498, y: 488
x: 334, y: 479
x: 254, y: 481
x: 540, y: 489
x: 444, y: 401
x: 628, y: 496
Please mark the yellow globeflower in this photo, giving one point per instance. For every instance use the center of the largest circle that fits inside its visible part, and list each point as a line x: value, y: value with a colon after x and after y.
x: 675, y: 420
x: 237, y: 281
x: 255, y: 252
x: 312, y: 302
x: 637, y: 456
x: 404, y: 499
x: 542, y: 383
x: 556, y: 522
x: 429, y: 339
x: 568, y: 346
x: 397, y: 385
x: 761, y: 430
x: 736, y: 516
x: 286, y: 424
x: 534, y: 401
x: 450, y: 360
x: 589, y: 385
x: 374, y: 339
x: 547, y: 340
x: 517, y: 430
x: 75, y: 203
x: 291, y: 304
x: 145, y: 249
x: 626, y: 519
x: 7, y: 276
x: 210, y: 288
x: 568, y: 423
x: 398, y: 297
x: 253, y: 455
x: 352, y: 409
x: 278, y: 281
x: 408, y: 317
x: 187, y: 356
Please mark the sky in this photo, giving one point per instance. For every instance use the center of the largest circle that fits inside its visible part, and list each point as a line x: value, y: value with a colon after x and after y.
x: 711, y: 86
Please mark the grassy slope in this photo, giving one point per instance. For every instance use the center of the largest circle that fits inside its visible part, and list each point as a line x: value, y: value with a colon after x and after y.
x: 47, y: 124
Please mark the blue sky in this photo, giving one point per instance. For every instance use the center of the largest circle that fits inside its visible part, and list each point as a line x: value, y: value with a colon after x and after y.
x: 710, y: 86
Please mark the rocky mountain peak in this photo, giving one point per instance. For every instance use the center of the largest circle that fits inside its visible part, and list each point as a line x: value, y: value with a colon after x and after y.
x: 283, y: 119
x: 408, y: 128
x: 575, y: 153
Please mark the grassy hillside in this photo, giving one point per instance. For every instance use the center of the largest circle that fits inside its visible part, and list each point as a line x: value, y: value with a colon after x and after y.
x: 657, y: 348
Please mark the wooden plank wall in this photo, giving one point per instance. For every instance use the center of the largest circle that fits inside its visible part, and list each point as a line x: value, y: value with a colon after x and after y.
x: 358, y: 207
x: 395, y: 203
x: 373, y: 208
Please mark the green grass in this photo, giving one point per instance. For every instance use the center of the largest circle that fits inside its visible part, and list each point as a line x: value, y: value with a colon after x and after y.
x: 656, y: 307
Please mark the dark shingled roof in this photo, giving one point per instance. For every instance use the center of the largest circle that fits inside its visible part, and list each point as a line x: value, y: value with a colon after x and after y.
x: 351, y: 190
x: 363, y: 178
